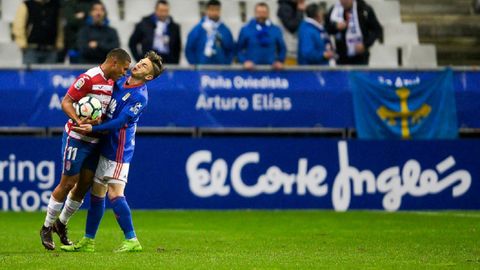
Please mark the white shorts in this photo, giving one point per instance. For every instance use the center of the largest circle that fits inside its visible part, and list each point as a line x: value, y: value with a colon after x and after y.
x: 111, y: 172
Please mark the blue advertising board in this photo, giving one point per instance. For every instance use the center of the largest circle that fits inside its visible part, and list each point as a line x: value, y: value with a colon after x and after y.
x: 264, y: 173
x: 189, y: 98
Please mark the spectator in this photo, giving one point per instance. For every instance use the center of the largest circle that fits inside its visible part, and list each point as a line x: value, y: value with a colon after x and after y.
x: 355, y: 26
x: 157, y: 32
x: 37, y: 31
x: 314, y: 46
x: 291, y: 13
x: 261, y: 42
x: 210, y: 41
x: 75, y: 13
x: 96, y: 38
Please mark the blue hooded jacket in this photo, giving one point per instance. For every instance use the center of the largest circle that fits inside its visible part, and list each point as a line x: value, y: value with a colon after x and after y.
x: 312, y: 43
x: 224, y: 46
x: 262, y: 44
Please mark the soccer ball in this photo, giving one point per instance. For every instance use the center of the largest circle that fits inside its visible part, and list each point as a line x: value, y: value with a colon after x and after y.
x: 88, y: 107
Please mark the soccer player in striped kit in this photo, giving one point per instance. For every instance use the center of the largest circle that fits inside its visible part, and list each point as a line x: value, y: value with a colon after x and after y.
x: 128, y: 102
x: 79, y: 151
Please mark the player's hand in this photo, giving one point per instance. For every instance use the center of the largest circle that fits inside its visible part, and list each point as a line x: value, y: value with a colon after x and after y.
x: 79, y: 121
x: 83, y: 129
x: 93, y: 122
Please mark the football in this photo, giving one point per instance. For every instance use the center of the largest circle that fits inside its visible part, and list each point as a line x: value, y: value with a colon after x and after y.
x: 88, y: 107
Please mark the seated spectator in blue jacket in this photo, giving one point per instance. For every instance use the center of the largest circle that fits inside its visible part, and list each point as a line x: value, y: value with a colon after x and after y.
x: 261, y: 42
x: 210, y: 42
x: 96, y: 38
x: 314, y: 46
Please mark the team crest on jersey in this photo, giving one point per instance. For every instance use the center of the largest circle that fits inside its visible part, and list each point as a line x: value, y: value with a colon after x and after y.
x: 136, y: 108
x: 124, y: 98
x: 68, y: 165
x: 80, y: 82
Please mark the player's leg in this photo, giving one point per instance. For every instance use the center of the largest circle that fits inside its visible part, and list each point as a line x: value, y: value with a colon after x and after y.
x: 72, y: 204
x: 76, y: 195
x: 117, y: 177
x: 94, y: 216
x: 54, y: 207
x: 95, y: 212
x: 83, y: 186
x: 73, y: 157
x: 97, y: 208
x: 124, y: 216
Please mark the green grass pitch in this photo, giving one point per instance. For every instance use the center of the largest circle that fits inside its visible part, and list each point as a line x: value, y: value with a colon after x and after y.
x: 256, y: 240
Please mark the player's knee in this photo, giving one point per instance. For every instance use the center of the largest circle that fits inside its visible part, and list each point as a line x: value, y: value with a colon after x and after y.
x: 116, y: 190
x: 67, y: 184
x: 81, y: 189
x: 98, y: 189
x: 113, y: 195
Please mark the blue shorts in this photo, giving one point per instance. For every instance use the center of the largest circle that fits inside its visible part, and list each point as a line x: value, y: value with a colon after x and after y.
x: 77, y: 155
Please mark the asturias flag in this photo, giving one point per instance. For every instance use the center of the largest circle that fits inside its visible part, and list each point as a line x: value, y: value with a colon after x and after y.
x: 418, y: 109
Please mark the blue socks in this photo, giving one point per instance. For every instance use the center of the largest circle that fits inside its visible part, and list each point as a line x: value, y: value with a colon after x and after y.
x: 124, y: 216
x: 95, y: 214
x: 122, y: 213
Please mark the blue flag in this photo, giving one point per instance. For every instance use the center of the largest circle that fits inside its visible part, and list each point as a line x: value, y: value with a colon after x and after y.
x: 419, y: 108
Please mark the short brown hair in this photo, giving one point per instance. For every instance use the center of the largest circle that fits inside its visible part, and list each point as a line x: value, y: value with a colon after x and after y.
x: 262, y: 4
x: 157, y: 63
x: 119, y: 54
x: 161, y: 2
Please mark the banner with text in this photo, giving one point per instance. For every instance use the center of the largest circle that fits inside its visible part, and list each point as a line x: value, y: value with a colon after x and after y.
x: 188, y: 98
x: 264, y: 173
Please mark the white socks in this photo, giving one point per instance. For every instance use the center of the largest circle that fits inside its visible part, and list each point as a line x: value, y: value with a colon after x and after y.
x: 53, y: 209
x: 70, y: 208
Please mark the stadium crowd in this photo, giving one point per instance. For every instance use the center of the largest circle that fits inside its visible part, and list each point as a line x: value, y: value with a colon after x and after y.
x: 53, y: 31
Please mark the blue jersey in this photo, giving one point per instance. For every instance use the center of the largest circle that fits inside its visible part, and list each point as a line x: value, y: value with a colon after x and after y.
x: 128, y: 102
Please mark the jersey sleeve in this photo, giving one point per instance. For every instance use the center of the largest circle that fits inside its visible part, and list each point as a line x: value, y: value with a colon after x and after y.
x: 132, y: 109
x: 80, y: 88
x: 113, y: 124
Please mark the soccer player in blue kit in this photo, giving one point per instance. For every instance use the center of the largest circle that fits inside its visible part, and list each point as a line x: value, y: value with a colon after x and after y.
x: 127, y: 104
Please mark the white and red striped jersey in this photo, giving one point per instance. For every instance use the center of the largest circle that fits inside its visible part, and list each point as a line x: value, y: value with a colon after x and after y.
x: 92, y: 83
